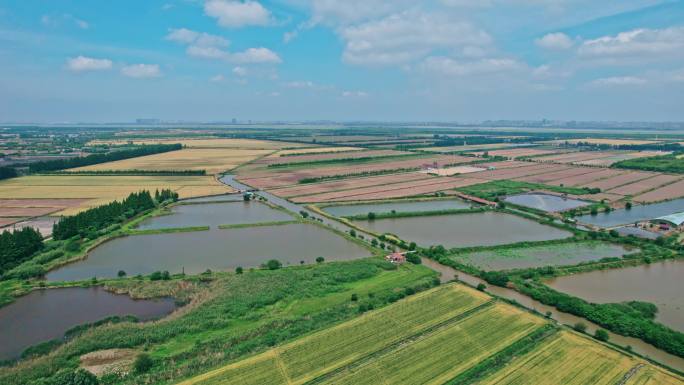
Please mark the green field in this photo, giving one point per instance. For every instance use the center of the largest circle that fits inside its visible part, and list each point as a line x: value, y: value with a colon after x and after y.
x: 556, y: 254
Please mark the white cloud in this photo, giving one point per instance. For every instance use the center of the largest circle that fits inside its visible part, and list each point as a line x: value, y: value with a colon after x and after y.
x: 618, y: 81
x: 141, y: 71
x: 240, y: 71
x: 300, y: 84
x: 235, y: 14
x: 336, y: 12
x: 217, y: 78
x: 354, y: 94
x: 206, y: 52
x: 452, y: 67
x: 83, y: 63
x: 405, y: 37
x: 259, y: 55
x: 55, y: 21
x: 555, y: 41
x: 200, y: 39
x: 638, y: 42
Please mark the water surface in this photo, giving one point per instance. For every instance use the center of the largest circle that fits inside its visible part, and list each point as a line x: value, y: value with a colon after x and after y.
x: 635, y: 214
x: 659, y: 283
x: 214, y: 214
x: 360, y: 209
x: 195, y: 252
x: 545, y: 202
x: 465, y: 230
x: 43, y: 315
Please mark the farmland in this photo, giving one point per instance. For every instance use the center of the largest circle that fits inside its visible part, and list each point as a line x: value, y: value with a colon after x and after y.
x: 70, y: 194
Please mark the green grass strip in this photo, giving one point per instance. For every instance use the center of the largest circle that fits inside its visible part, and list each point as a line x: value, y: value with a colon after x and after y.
x: 497, y: 361
x: 166, y: 231
x: 244, y: 225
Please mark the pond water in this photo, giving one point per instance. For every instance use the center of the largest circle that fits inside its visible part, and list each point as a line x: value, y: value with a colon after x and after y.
x: 215, y: 198
x: 659, y: 283
x: 635, y: 214
x: 546, y: 255
x: 214, y: 214
x: 465, y: 230
x: 361, y: 209
x: 43, y: 315
x: 637, y: 232
x: 195, y: 252
x: 637, y: 345
x: 545, y: 202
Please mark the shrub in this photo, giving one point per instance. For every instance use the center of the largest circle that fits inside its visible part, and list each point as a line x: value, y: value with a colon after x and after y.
x: 601, y: 335
x: 77, y: 377
x: 238, y: 270
x: 274, y: 264
x: 320, y: 259
x: 142, y: 364
x: 580, y: 327
x: 413, y: 258
x: 121, y: 274
x: 354, y: 297
x: 481, y: 286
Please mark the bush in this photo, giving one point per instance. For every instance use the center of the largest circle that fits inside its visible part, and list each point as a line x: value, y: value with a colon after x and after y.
x: 273, y: 264
x: 121, y: 274
x: 481, y: 286
x: 413, y: 258
x: 238, y: 270
x: 320, y: 259
x: 354, y: 297
x: 601, y: 335
x: 77, y: 377
x: 580, y: 327
x: 142, y: 364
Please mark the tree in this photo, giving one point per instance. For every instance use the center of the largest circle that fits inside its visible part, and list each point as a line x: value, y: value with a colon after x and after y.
x: 352, y: 232
x: 481, y: 286
x: 413, y: 258
x: 121, y: 274
x: 354, y: 297
x: 412, y: 246
x: 374, y: 242
x: 601, y: 335
x: 273, y: 264
x: 628, y: 205
x: 304, y: 214
x: 371, y: 216
x: 142, y: 364
x: 238, y: 270
x: 594, y: 211
x: 247, y: 196
x: 320, y: 259
x: 580, y: 327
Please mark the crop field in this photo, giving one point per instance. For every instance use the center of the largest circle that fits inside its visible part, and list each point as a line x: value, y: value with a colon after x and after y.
x: 610, y: 142
x: 213, y: 160
x: 671, y: 191
x: 474, y: 147
x: 645, y: 184
x: 514, y: 153
x: 82, y: 191
x: 620, y: 180
x: 316, y: 150
x: 212, y: 143
x: 347, y: 184
x: 652, y: 375
x: 292, y: 160
x: 502, y: 258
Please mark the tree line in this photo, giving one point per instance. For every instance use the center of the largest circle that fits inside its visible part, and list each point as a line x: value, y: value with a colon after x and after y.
x: 103, y: 216
x: 18, y: 246
x: 8, y: 172
x: 62, y: 164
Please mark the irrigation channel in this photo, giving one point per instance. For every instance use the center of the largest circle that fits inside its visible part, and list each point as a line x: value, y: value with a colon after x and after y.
x: 447, y: 274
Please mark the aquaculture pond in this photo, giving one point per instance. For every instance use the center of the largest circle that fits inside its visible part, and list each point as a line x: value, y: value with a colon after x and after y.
x: 543, y: 255
x: 465, y: 230
x: 659, y: 283
x: 43, y: 315
x: 215, y: 198
x: 636, y: 214
x: 215, y: 214
x: 545, y: 202
x: 361, y: 209
x: 195, y: 252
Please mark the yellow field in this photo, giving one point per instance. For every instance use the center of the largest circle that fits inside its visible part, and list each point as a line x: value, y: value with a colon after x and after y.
x: 102, y: 189
x: 569, y: 359
x: 651, y: 375
x: 211, y: 143
x: 213, y: 160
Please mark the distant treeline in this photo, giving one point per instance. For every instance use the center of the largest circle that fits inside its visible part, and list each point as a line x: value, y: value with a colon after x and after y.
x: 63, y: 164
x: 8, y: 172
x: 135, y: 172
x: 632, y: 147
x: 343, y: 160
x: 103, y: 216
x: 18, y: 246
x: 665, y: 163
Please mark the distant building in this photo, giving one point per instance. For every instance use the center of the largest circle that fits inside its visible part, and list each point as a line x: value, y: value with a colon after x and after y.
x: 396, y: 257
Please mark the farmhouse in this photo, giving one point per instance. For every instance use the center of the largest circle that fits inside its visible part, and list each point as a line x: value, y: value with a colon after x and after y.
x: 667, y: 222
x: 396, y: 257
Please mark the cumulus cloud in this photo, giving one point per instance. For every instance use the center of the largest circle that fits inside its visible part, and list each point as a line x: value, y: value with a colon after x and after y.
x: 255, y: 56
x: 217, y: 78
x: 405, y: 37
x: 555, y: 41
x: 208, y: 46
x: 235, y: 14
x: 451, y: 67
x: 618, y: 81
x: 141, y: 71
x: 638, y: 42
x: 202, y: 39
x: 240, y: 71
x: 83, y: 63
x: 335, y: 12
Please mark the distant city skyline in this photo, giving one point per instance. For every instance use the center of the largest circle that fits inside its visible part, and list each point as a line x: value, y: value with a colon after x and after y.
x: 342, y: 61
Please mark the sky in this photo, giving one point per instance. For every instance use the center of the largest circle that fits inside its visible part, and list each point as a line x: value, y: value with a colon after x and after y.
x: 342, y: 60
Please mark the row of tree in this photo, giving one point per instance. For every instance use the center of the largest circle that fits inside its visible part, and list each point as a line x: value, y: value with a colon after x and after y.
x: 18, y: 246
x: 103, y: 216
x: 62, y: 164
x: 8, y: 172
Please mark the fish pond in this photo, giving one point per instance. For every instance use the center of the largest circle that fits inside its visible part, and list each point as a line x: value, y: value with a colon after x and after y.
x: 465, y: 230
x: 545, y: 202
x: 195, y: 252
x: 659, y: 283
x: 558, y: 254
x: 361, y: 209
x: 215, y: 214
x: 43, y: 315
x: 637, y: 213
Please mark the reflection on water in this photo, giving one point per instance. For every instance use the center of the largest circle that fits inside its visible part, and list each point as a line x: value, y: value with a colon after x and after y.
x: 349, y: 210
x: 545, y: 202
x: 635, y: 214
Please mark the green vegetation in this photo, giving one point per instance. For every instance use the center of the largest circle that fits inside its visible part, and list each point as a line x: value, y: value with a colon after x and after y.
x: 8, y: 172
x: 167, y: 231
x: 244, y: 225
x: 665, y: 163
x: 18, y: 246
x: 500, y: 188
x: 62, y: 164
x: 234, y: 315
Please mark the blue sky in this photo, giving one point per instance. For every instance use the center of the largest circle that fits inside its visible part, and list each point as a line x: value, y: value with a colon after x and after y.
x: 390, y: 60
